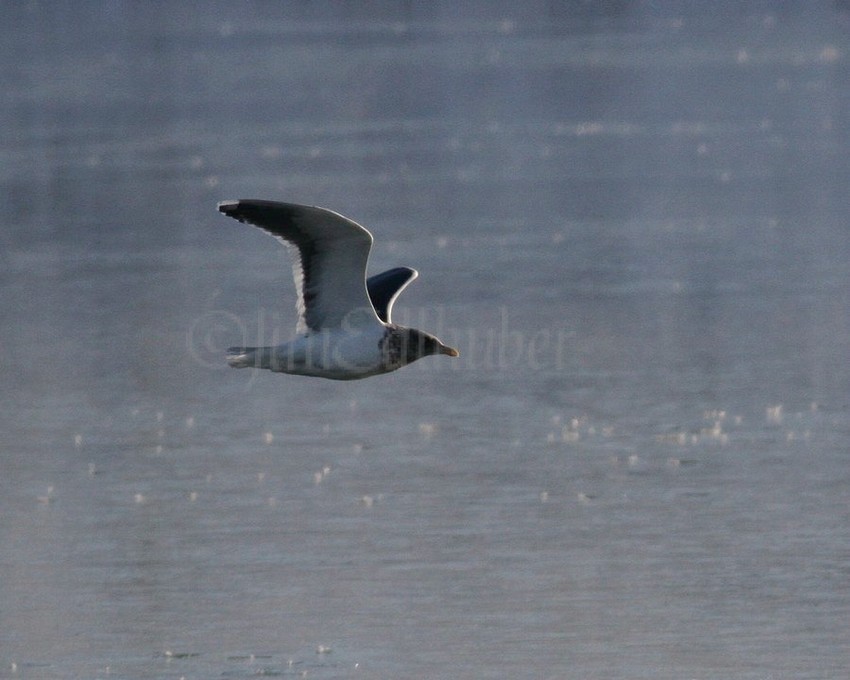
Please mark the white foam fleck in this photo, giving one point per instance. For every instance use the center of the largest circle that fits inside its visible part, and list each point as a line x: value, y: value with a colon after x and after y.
x: 428, y: 430
x: 774, y: 414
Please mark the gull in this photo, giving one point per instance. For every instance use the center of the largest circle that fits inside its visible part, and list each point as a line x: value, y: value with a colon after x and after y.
x: 345, y: 329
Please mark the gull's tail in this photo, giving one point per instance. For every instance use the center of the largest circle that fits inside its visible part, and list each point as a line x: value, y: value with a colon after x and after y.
x: 249, y: 357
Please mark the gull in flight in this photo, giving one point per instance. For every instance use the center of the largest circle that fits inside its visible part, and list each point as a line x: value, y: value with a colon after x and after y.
x: 345, y: 329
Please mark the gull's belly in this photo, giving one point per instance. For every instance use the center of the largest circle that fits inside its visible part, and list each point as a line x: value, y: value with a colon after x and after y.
x: 343, y: 355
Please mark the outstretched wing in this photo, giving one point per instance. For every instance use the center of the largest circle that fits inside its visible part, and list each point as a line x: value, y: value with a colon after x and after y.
x: 330, y: 270
x: 385, y: 287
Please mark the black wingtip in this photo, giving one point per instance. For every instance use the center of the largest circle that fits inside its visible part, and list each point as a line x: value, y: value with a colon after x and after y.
x: 228, y: 207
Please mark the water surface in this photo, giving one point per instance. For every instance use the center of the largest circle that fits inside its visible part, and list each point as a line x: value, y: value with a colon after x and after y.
x: 632, y: 223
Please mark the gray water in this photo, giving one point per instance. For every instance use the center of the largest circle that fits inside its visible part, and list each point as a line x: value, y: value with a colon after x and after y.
x: 631, y: 218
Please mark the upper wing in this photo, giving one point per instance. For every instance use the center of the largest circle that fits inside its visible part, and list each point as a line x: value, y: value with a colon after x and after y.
x: 330, y: 270
x: 385, y: 287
